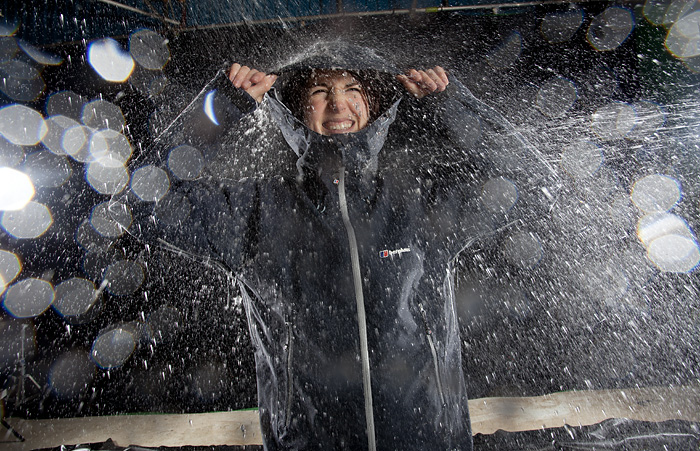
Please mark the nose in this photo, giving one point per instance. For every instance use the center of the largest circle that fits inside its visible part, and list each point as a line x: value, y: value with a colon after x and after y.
x: 337, y: 101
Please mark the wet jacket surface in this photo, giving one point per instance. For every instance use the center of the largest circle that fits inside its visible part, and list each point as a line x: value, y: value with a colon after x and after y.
x: 356, y: 240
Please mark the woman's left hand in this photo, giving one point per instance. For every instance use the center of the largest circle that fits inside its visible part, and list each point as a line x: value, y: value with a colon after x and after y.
x: 423, y: 82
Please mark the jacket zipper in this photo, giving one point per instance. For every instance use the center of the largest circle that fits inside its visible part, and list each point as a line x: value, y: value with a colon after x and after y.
x: 288, y: 411
x: 361, y: 316
x: 433, y: 351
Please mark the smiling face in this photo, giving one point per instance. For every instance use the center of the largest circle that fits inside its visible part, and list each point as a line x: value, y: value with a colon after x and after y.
x: 336, y: 103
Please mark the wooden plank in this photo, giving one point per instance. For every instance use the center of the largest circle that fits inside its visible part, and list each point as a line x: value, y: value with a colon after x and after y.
x: 218, y: 428
x: 582, y: 408
x: 577, y: 408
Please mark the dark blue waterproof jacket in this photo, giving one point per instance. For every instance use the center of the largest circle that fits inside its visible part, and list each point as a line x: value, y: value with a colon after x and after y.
x: 345, y: 258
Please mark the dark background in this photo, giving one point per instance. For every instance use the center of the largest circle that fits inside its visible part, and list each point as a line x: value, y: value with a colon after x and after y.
x: 556, y: 334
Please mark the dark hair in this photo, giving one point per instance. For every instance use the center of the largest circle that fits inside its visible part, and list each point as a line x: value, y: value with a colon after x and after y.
x: 295, y: 91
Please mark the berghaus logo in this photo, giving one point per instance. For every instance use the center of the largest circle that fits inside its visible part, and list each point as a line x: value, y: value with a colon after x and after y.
x: 387, y: 253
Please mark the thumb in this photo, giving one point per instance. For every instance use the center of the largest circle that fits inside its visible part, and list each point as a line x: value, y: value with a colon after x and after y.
x: 258, y: 90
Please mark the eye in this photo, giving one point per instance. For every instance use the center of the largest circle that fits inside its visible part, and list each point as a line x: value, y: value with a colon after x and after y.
x: 354, y: 89
x: 318, y: 90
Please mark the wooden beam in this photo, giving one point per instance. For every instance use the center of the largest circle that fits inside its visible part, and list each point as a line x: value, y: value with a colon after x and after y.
x: 203, y: 429
x: 583, y: 408
x: 576, y: 408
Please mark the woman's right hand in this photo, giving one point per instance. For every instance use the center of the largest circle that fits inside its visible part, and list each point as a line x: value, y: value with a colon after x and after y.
x: 252, y: 81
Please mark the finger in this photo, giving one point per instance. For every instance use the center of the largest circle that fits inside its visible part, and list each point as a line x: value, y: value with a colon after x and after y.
x: 257, y: 77
x: 235, y: 67
x: 414, y: 75
x: 266, y: 83
x: 442, y: 73
x: 248, y: 81
x: 427, y: 82
x: 258, y: 90
x: 410, y: 85
x: 241, y: 76
x: 435, y: 78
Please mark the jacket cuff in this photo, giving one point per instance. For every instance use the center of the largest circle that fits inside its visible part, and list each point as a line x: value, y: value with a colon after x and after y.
x: 240, y: 99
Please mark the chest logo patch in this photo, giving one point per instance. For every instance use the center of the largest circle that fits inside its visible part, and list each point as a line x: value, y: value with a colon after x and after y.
x: 387, y: 253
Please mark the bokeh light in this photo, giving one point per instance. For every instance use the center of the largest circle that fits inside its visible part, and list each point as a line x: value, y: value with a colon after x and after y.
x: 561, y: 26
x: 75, y: 142
x: 150, y: 83
x: 10, y: 267
x: 656, y: 193
x: 683, y: 39
x: 100, y: 114
x: 507, y: 53
x: 150, y: 183
x: 66, y: 103
x: 674, y: 253
x: 670, y: 243
x: 556, y: 97
x: 110, y: 219
x: 604, y: 281
x: 499, y: 195
x: 32, y: 221
x: 655, y: 10
x: 149, y: 49
x: 39, y: 56
x: 114, y: 346
x: 96, y: 260
x: 676, y: 10
x: 87, y: 238
x: 581, y: 160
x: 11, y: 154
x: 8, y: 48
x: 28, y: 298
x: 523, y: 249
x: 75, y: 296
x: 185, y: 162
x: 107, y: 176
x: 610, y: 29
x: 209, y: 107
x: 7, y: 28
x: 547, y: 91
x: 16, y: 189
x: 656, y: 225
x: 110, y: 145
x: 20, y: 81
x: 22, y: 125
x: 71, y: 374
x: 650, y: 118
x: 46, y: 169
x: 123, y: 277
x: 55, y: 134
x: 613, y: 121
x: 109, y: 60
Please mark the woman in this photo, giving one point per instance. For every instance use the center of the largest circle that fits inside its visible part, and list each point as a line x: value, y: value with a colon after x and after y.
x: 346, y: 267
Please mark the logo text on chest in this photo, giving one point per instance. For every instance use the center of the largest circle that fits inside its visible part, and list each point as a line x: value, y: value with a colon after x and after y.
x: 387, y: 253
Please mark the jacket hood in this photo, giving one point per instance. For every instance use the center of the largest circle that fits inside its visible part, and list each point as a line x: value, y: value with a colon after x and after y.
x: 337, y: 55
x: 374, y: 71
x: 358, y: 150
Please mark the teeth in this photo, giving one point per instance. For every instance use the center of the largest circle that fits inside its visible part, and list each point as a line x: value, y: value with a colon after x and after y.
x: 341, y: 126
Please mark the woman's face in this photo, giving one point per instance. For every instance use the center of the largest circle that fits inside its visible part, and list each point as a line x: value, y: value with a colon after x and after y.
x: 336, y: 103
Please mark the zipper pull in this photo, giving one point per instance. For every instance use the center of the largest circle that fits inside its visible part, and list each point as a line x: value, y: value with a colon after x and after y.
x: 425, y: 319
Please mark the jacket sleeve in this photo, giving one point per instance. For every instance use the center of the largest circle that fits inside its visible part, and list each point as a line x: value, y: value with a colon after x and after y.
x: 175, y: 201
x: 487, y: 178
